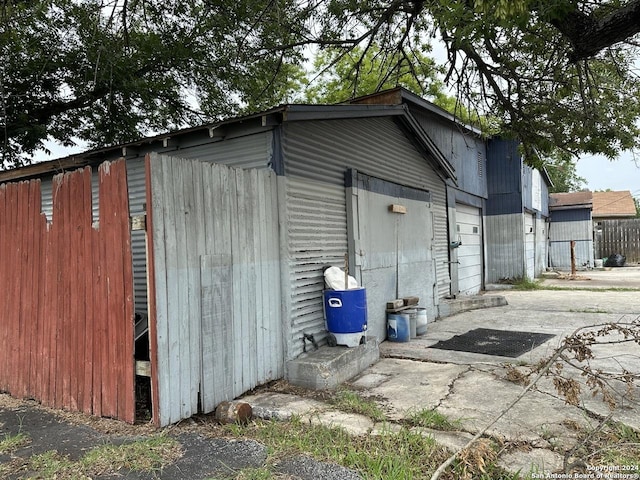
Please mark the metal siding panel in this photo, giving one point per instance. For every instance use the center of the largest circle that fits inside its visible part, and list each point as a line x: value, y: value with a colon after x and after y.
x: 317, y: 222
x: 250, y: 151
x: 561, y: 234
x: 503, y: 169
x: 137, y: 200
x: 466, y: 152
x: 505, y: 247
x: 324, y: 150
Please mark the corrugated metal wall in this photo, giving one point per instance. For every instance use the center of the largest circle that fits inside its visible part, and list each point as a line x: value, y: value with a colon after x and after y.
x: 465, y: 151
x: 320, y: 152
x: 216, y: 273
x: 246, y: 151
x: 66, y: 295
x: 317, y: 234
x: 505, y: 246
x: 567, y: 225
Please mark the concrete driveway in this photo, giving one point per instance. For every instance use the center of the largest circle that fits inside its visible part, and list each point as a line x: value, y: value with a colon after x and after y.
x: 473, y: 388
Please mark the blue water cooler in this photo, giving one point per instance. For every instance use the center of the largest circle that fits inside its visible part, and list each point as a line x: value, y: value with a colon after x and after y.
x: 346, y: 316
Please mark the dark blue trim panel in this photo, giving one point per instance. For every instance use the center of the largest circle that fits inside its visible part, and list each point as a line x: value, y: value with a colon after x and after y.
x: 384, y: 187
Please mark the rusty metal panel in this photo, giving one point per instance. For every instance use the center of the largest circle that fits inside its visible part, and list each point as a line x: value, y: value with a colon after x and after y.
x: 66, y: 295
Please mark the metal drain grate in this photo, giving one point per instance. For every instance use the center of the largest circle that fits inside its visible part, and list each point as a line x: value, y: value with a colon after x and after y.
x: 502, y: 343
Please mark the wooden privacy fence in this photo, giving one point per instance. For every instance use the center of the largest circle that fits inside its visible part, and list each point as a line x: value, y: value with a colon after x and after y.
x: 66, y: 295
x: 618, y: 236
x: 215, y: 322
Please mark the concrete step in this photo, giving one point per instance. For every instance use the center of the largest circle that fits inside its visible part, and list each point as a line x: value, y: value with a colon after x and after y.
x: 328, y: 367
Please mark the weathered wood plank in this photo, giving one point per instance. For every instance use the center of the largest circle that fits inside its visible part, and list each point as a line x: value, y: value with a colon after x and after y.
x: 216, y: 300
x: 87, y: 279
x: 4, y: 284
x: 224, y: 245
x: 156, y: 281
x: 175, y: 383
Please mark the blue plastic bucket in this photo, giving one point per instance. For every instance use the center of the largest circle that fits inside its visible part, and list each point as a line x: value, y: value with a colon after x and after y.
x: 346, y: 310
x: 398, y: 327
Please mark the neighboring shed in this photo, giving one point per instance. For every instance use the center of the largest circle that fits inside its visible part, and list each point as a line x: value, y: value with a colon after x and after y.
x: 517, y: 214
x: 240, y: 221
x: 570, y: 221
x: 461, y: 263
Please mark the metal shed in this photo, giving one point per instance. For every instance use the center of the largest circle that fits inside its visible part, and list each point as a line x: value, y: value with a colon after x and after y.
x: 517, y: 221
x: 570, y: 221
x: 460, y: 263
x: 240, y: 218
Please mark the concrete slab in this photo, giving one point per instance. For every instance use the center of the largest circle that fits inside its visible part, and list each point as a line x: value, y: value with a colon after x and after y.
x: 474, y: 388
x: 410, y: 386
x: 282, y: 406
x: 328, y: 367
x: 538, y: 460
x: 478, y: 397
x: 352, y: 423
x: 446, y: 308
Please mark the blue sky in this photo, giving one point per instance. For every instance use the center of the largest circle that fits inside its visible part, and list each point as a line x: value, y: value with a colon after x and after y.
x: 602, y: 173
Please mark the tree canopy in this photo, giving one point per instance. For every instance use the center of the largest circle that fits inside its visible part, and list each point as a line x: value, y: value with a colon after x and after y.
x: 557, y: 74
x: 106, y: 72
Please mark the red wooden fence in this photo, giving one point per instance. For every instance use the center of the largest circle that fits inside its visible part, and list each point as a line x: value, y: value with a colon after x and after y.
x: 66, y: 295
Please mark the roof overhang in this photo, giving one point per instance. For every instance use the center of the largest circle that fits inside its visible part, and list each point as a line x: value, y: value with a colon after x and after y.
x: 272, y: 117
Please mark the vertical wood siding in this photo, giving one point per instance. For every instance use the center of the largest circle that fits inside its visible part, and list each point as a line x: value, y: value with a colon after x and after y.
x: 619, y: 236
x: 66, y: 294
x: 216, y: 301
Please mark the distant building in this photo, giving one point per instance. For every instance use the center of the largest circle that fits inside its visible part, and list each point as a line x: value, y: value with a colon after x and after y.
x: 571, y: 220
x: 613, y: 205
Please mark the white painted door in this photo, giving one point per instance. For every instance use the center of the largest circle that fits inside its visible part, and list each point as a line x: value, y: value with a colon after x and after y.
x: 394, y: 251
x: 469, y: 233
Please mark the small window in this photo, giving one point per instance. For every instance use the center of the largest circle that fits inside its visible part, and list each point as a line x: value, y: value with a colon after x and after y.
x: 458, y: 227
x: 475, y: 229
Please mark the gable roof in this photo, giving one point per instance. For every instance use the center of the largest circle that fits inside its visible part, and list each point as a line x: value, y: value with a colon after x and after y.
x: 272, y: 117
x: 570, y: 201
x: 613, y: 204
x: 400, y: 95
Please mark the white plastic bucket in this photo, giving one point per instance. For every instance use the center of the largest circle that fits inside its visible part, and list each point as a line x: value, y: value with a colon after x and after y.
x: 421, y: 321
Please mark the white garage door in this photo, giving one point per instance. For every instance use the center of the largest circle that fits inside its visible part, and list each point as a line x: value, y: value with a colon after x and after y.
x: 469, y: 230
x: 530, y: 245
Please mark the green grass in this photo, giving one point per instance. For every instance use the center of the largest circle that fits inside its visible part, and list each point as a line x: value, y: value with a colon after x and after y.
x: 526, y: 283
x: 149, y: 455
x: 389, y: 455
x: 13, y: 442
x: 430, y: 418
x: 350, y: 402
x: 588, y: 310
x: 623, y: 448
